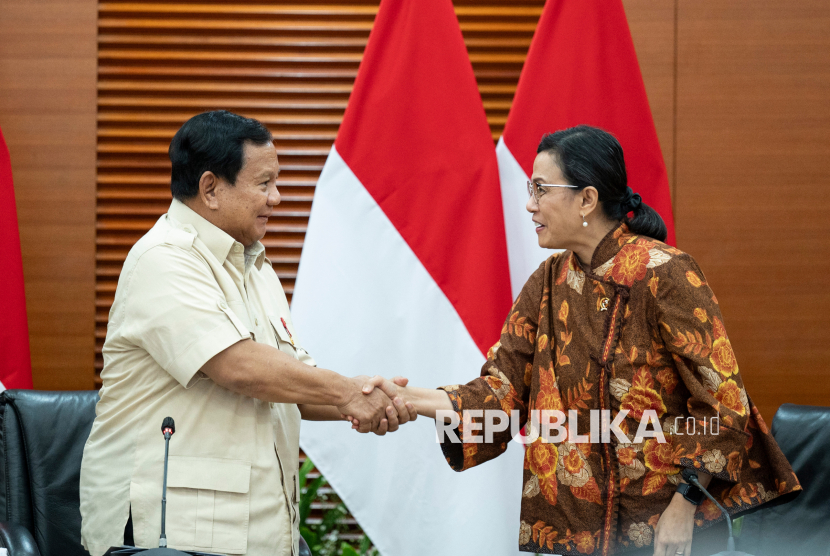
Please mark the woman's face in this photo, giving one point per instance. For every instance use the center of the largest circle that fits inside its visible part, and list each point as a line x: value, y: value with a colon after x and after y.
x: 556, y: 215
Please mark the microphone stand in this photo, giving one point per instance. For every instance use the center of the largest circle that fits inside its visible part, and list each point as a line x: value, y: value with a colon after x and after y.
x: 167, y: 434
x: 730, y: 542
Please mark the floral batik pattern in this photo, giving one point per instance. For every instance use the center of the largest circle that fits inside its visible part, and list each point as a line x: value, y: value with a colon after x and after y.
x: 639, y: 329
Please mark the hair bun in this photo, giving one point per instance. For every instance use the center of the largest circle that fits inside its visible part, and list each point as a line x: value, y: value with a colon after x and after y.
x: 630, y: 201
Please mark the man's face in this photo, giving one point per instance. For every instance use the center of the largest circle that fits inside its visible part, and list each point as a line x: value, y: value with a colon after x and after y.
x: 244, y: 208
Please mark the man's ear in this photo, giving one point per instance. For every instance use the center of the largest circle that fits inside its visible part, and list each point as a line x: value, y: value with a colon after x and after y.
x: 590, y: 200
x: 208, y: 184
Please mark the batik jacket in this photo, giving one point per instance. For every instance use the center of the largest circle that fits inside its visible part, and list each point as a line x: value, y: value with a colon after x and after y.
x: 639, y: 330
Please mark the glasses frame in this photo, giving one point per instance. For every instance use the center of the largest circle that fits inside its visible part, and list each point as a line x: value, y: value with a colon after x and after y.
x: 533, y: 188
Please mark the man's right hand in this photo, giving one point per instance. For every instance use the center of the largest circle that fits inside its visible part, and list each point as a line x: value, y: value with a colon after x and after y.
x: 402, y: 411
x: 368, y: 406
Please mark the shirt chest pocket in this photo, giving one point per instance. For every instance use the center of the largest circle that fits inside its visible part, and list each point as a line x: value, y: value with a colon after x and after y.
x: 208, y: 503
x: 284, y: 338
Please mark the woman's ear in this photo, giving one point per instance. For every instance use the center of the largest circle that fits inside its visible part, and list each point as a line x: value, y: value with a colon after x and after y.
x: 208, y: 184
x: 589, y: 199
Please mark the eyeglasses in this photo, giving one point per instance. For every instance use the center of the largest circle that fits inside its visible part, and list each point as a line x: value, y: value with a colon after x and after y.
x: 535, y: 189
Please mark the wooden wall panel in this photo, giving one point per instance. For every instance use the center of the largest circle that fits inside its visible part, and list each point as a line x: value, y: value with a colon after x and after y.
x: 47, y: 112
x: 753, y: 122
x: 653, y: 32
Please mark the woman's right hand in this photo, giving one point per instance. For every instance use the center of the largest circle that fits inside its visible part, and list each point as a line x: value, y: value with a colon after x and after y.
x: 403, y: 410
x: 421, y: 401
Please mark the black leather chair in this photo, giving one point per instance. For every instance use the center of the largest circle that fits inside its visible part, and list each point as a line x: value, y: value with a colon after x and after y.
x: 42, y: 437
x: 800, y: 527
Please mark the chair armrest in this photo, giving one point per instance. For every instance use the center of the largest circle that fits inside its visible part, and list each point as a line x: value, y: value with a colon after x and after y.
x: 304, y: 549
x: 17, y: 539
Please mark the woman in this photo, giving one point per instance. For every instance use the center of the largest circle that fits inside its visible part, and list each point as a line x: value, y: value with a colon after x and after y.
x: 618, y: 321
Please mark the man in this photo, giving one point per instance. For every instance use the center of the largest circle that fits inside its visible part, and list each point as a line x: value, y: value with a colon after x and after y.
x: 200, y: 330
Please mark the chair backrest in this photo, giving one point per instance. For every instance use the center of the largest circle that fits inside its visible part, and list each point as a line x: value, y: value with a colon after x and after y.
x: 42, y: 437
x: 800, y: 527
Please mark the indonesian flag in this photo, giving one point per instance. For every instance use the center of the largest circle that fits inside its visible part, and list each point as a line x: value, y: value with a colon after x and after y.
x: 404, y: 271
x: 15, y: 364
x: 581, y: 69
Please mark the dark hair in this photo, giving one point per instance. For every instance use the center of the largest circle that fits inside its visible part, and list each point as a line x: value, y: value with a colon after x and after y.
x: 589, y: 156
x: 211, y: 141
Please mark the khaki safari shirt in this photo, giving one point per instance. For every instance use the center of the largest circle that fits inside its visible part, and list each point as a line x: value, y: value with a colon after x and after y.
x: 188, y: 291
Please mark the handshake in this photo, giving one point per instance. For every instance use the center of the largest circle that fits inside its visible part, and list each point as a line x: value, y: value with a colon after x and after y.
x: 377, y: 404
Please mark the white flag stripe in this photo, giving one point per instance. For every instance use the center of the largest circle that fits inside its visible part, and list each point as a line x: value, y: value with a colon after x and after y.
x: 523, y: 249
x: 364, y: 304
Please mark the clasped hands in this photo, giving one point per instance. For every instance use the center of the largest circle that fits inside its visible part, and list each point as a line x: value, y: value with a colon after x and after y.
x: 377, y: 404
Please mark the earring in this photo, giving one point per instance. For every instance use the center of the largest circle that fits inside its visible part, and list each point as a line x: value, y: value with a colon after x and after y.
x: 584, y: 224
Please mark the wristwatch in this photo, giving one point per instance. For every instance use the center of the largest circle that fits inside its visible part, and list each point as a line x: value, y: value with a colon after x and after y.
x: 690, y: 492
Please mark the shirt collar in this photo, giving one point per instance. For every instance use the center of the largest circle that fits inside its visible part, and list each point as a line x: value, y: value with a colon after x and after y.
x: 255, y: 253
x: 218, y: 242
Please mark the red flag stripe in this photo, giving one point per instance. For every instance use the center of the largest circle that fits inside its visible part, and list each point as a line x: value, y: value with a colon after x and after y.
x: 15, y: 363
x: 416, y: 136
x: 582, y: 69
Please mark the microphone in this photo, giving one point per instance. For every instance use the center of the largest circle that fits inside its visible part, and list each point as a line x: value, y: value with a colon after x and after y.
x: 691, y: 476
x: 168, y: 427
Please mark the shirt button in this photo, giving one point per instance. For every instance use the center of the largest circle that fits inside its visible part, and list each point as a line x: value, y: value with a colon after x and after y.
x: 256, y: 322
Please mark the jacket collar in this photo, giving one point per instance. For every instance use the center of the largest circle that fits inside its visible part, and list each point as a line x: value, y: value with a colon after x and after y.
x: 609, y: 246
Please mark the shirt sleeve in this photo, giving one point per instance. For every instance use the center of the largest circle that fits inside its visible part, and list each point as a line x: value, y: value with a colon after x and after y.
x: 504, y: 383
x: 305, y: 357
x: 176, y: 312
x: 690, y: 323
